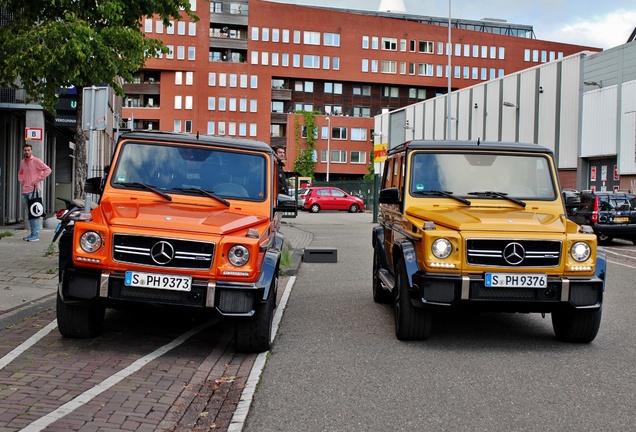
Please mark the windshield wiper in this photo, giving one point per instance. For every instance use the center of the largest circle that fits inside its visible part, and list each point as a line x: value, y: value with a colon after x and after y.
x: 442, y: 193
x: 498, y: 195
x: 147, y: 187
x: 206, y: 193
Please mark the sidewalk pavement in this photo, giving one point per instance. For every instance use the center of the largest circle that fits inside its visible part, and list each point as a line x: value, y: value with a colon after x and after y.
x: 28, y: 270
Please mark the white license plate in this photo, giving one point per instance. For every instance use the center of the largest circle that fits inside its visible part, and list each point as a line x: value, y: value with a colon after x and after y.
x: 516, y: 280
x: 158, y: 281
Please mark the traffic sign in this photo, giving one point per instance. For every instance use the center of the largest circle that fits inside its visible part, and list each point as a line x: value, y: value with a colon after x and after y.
x: 33, y: 134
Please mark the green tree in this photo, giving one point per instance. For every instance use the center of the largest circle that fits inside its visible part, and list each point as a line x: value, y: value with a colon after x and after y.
x: 49, y: 45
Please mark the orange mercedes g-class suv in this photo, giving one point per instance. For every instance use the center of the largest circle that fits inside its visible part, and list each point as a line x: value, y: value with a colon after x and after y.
x: 482, y: 226
x: 182, y: 220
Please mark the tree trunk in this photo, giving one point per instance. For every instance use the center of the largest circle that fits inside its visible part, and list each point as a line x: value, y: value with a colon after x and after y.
x: 80, y: 148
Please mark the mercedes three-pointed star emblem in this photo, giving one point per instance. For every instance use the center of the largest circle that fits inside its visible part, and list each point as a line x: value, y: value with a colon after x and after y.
x: 162, y: 252
x: 514, y: 253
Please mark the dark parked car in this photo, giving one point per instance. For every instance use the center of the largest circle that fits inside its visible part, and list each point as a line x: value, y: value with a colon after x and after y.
x: 610, y: 214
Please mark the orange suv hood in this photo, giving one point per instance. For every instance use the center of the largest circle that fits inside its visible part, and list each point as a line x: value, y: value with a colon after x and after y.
x: 176, y: 216
x: 491, y: 219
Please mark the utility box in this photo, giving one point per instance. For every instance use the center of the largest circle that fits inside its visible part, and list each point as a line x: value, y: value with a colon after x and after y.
x: 321, y: 255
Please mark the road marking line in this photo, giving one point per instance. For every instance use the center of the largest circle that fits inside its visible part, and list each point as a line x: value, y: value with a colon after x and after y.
x: 621, y: 264
x: 243, y: 407
x: 91, y: 393
x: 8, y: 358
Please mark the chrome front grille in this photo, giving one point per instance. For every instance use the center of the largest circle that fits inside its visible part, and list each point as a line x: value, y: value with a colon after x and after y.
x: 163, y: 252
x: 513, y: 253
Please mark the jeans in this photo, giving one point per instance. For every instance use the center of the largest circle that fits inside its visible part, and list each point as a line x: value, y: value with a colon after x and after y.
x: 34, y: 223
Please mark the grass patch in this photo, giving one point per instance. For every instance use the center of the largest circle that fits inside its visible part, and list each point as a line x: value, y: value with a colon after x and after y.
x: 285, y: 257
x: 51, y: 250
x: 51, y: 270
x: 6, y: 234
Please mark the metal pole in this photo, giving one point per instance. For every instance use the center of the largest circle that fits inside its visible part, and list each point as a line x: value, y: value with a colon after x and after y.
x: 89, y: 157
x: 450, y: 72
x: 328, y: 146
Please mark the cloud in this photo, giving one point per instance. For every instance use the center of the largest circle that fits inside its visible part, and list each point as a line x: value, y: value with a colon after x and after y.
x: 605, y: 31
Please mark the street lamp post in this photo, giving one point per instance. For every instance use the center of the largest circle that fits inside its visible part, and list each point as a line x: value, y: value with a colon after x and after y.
x: 448, y: 92
x: 328, y: 145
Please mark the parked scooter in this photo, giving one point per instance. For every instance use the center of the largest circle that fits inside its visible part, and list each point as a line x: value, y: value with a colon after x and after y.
x: 67, y: 215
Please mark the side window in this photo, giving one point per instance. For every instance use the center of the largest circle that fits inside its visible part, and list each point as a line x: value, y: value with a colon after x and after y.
x: 336, y: 193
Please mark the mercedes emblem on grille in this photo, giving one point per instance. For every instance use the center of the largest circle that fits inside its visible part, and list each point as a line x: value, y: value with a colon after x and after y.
x: 514, y: 253
x: 162, y: 252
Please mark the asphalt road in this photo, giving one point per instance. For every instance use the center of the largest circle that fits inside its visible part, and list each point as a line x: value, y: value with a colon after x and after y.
x: 336, y: 365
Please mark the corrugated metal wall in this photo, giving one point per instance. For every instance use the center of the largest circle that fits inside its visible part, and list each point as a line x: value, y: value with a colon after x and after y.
x: 598, y: 126
x: 627, y: 162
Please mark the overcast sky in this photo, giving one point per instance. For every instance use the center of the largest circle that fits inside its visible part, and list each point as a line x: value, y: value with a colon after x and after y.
x: 597, y: 23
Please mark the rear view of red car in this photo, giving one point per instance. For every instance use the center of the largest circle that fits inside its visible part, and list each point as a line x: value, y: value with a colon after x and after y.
x: 331, y: 198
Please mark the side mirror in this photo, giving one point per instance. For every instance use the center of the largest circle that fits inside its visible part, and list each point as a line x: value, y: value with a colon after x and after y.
x: 285, y: 203
x: 389, y: 196
x: 93, y: 185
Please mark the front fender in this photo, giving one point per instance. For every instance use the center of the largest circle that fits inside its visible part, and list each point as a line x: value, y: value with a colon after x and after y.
x: 406, y: 251
x: 377, y: 241
x: 269, y: 271
x: 601, y: 265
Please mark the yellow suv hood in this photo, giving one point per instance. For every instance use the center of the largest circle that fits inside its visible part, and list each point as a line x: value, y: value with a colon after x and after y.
x: 491, y: 219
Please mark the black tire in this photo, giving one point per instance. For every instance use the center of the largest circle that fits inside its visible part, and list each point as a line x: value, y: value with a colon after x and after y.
x: 380, y: 295
x: 578, y: 326
x: 65, y: 248
x: 354, y: 208
x: 411, y: 323
x: 254, y: 335
x: 315, y: 208
x: 79, y: 321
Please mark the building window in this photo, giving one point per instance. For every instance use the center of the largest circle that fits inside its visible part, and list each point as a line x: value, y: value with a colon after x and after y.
x: 278, y: 107
x: 177, y: 126
x: 438, y: 71
x: 222, y: 79
x: 358, y: 134
x: 326, y: 62
x: 361, y: 111
x: 374, y: 42
x: 221, y: 128
x: 211, y: 79
x: 484, y: 51
x: 339, y: 133
x: 285, y: 36
x: 254, y: 59
x: 170, y: 28
x: 466, y: 72
x: 232, y: 128
x: 493, y: 52
x: 252, y: 129
x: 389, y: 66
x: 475, y: 51
x: 466, y: 50
x: 296, y: 60
x: 311, y: 38
x: 364, y: 90
x: 192, y: 29
x: 211, y: 103
x: 331, y: 39
x: 148, y: 25
x: 170, y: 53
x: 264, y: 58
x: 502, y: 53
x: 253, y: 105
x: 526, y: 55
x: 365, y: 65
x: 475, y: 73
x: 188, y: 126
x: 391, y: 91
x: 275, y: 35
x: 265, y: 34
x: 180, y: 53
x: 178, y: 78
x: 189, y: 78
x: 309, y: 87
x: 191, y: 53
x: 181, y: 28
x: 178, y: 100
x: 284, y: 60
x: 440, y: 48
x: 458, y: 71
x: 374, y: 66
x: 403, y: 45
x: 242, y: 129
x: 274, y: 59
x: 243, y: 104
x: 211, y: 125
x: 311, y: 61
x: 233, y: 79
x: 358, y: 157
x: 222, y: 103
x: 296, y: 36
x: 458, y: 50
x: 336, y: 63
x: 365, y: 42
x: 338, y: 156
x: 254, y: 81
x: 424, y: 69
x: 426, y: 47
x: 255, y: 33
x: 389, y: 44
x: 303, y: 132
x: 188, y: 102
x: 232, y: 105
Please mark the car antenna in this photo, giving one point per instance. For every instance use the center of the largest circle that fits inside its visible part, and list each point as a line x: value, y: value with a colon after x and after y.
x: 478, y: 140
x: 197, y: 135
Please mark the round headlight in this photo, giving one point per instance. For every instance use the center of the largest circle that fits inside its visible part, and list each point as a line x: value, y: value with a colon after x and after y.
x: 580, y: 251
x: 91, y: 241
x: 441, y: 248
x: 239, y: 255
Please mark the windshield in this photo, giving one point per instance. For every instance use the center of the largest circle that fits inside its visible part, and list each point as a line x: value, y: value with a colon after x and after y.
x: 517, y: 176
x: 189, y: 170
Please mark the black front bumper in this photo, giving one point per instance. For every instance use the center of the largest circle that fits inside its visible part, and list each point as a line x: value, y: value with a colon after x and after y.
x: 226, y: 299
x: 444, y: 291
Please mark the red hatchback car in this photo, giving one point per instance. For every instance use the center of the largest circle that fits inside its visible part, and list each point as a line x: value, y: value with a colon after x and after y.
x: 331, y: 198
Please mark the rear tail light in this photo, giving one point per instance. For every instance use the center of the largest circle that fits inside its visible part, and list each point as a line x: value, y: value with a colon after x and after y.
x: 60, y: 213
x: 594, y: 217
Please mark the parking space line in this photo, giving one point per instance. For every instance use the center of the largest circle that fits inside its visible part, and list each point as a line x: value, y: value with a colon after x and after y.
x: 26, y: 344
x: 243, y: 407
x: 88, y: 395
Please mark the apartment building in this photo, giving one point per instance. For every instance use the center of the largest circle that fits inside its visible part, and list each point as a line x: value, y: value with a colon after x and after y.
x: 246, y: 69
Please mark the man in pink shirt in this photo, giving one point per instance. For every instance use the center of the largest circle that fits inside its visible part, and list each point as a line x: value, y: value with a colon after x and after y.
x: 31, y: 173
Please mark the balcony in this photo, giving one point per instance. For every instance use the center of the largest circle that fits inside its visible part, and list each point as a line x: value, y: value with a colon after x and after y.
x: 281, y: 94
x: 276, y: 141
x: 279, y: 118
x: 145, y: 88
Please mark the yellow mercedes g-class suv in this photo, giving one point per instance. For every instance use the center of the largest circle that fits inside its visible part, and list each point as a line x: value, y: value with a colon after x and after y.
x: 482, y: 226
